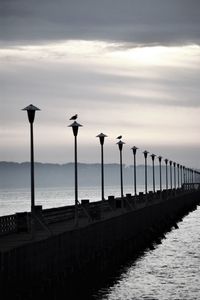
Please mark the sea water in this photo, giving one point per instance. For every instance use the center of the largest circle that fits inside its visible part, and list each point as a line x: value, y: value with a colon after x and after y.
x: 169, y: 272
x: 18, y: 199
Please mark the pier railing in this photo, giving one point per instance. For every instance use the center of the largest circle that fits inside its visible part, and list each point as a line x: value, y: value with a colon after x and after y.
x: 8, y: 224
x: 191, y: 186
x: 90, y: 211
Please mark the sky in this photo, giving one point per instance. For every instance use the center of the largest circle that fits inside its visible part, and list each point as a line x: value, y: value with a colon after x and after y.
x: 127, y: 68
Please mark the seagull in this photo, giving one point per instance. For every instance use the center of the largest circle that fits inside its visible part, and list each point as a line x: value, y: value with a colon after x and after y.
x: 119, y: 137
x: 74, y: 117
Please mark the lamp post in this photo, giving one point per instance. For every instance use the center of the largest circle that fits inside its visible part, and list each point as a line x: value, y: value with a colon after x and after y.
x: 184, y: 177
x: 145, y: 159
x: 178, y: 175
x: 75, y: 126
x: 188, y: 178
x: 153, y: 170
x: 31, y: 109
x: 170, y: 163
x: 191, y: 176
x: 174, y: 175
x: 160, y: 159
x: 181, y: 169
x: 101, y: 137
x: 134, y: 157
x: 166, y: 162
x: 120, y: 145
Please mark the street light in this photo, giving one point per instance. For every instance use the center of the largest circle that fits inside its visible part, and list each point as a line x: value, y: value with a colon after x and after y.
x: 166, y: 162
x: 31, y: 109
x: 178, y: 175
x: 145, y: 159
x: 153, y: 169
x: 174, y: 175
x: 184, y: 177
x: 134, y: 155
x: 160, y: 159
x: 170, y: 163
x: 181, y: 168
x: 75, y: 126
x: 101, y: 137
x: 120, y: 145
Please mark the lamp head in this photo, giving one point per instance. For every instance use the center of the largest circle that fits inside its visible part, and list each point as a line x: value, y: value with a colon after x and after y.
x: 134, y: 149
x: 120, y: 145
x: 75, y: 126
x: 31, y: 109
x: 145, y: 153
x: 153, y: 156
x: 101, y: 137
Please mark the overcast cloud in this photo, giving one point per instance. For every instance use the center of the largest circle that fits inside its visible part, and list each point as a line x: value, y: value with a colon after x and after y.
x: 132, y: 21
x: 126, y: 67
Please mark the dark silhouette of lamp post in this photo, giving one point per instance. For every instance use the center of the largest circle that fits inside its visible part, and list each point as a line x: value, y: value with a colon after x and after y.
x: 191, y: 176
x: 75, y: 126
x: 170, y: 169
x: 120, y: 145
x: 166, y: 162
x: 101, y: 137
x: 178, y: 175
x: 31, y: 109
x: 160, y: 159
x: 184, y: 178
x: 174, y: 175
x: 145, y: 159
x: 181, y: 171
x: 153, y: 170
x: 134, y: 157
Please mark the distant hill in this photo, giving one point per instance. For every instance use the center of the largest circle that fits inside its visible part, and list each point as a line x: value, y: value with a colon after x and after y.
x: 17, y: 175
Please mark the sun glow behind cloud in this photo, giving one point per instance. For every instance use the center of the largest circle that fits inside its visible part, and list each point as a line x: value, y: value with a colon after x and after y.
x: 142, y: 92
x: 123, y: 53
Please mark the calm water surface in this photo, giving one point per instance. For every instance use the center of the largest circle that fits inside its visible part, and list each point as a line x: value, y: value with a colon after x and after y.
x: 18, y: 200
x: 169, y: 272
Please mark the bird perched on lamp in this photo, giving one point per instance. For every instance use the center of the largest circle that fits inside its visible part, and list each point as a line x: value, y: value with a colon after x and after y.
x: 74, y: 117
x: 119, y: 137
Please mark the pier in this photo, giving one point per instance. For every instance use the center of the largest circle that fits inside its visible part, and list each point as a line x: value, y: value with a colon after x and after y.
x: 108, y: 232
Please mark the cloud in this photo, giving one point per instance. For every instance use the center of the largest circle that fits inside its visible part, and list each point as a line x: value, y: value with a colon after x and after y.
x: 132, y: 21
x: 104, y: 61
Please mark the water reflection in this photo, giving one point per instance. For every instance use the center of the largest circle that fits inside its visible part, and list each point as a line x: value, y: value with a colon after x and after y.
x: 170, y: 271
